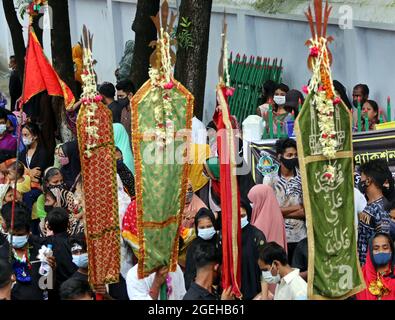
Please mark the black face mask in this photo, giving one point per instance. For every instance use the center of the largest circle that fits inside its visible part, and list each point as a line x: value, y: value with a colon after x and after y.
x: 290, y: 164
x: 124, y: 101
x: 362, y: 186
x: 48, y: 209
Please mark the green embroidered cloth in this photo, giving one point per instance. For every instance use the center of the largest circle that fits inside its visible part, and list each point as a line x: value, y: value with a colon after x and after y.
x: 334, y: 271
x: 161, y: 176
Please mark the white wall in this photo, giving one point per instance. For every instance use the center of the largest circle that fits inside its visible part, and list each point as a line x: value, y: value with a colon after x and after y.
x: 362, y: 54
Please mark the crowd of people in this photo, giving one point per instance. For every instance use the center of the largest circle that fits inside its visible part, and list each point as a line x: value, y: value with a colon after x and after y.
x: 46, y: 188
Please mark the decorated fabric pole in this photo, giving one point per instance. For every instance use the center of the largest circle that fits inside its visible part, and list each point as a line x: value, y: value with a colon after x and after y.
x: 366, y: 118
x: 278, y: 129
x: 229, y: 191
x: 381, y: 117
x: 98, y: 169
x: 359, y: 115
x: 161, y: 121
x: 271, y: 133
x: 325, y: 152
x: 389, y: 109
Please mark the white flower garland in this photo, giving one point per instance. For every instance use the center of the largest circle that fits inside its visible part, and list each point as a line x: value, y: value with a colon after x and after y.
x: 90, y: 99
x: 162, y: 82
x: 324, y: 105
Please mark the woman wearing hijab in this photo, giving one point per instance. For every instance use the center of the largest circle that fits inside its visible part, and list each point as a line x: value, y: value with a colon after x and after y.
x: 56, y: 196
x: 69, y: 159
x: 122, y: 141
x: 266, y: 214
x: 125, y: 174
x: 205, y: 231
x: 252, y: 239
x: 378, y: 271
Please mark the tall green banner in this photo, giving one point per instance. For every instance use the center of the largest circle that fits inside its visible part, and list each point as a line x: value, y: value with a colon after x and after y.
x: 324, y: 139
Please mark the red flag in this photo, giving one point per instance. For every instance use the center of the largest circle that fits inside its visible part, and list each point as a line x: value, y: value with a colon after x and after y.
x: 230, y: 197
x: 41, y: 76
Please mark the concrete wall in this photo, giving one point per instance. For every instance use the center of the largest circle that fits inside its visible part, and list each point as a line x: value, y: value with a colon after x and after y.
x: 361, y: 54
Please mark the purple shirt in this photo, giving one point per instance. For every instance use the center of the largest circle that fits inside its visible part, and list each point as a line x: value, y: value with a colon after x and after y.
x: 8, y: 142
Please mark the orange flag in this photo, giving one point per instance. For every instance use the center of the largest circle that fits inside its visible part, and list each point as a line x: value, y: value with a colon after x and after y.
x: 41, y: 76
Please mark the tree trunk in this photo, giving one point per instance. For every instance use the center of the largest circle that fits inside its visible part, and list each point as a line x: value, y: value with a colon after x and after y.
x: 62, y: 59
x: 145, y: 32
x: 191, y: 65
x: 18, y: 42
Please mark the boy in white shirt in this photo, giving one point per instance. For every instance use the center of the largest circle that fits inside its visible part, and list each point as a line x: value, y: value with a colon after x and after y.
x: 273, y: 263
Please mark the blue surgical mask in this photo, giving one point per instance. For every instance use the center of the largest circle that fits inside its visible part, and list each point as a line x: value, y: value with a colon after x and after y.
x: 81, y: 260
x: 382, y: 258
x: 18, y: 241
x: 244, y: 222
x: 206, y: 234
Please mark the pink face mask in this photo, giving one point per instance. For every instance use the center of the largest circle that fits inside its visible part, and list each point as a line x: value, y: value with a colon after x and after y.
x: 64, y: 161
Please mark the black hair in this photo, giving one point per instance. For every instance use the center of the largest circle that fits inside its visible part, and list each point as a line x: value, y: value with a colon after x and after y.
x: 58, y: 220
x: 6, y: 273
x: 34, y: 129
x: 272, y: 251
x: 391, y: 242
x: 12, y: 57
x: 119, y: 150
x: 206, y: 253
x: 364, y: 88
x: 282, y: 87
x: 246, y: 205
x: 268, y: 90
x: 284, y: 144
x: 204, y: 213
x: 127, y: 86
x: 19, y: 168
x: 3, y: 114
x: 22, y: 216
x: 341, y: 89
x: 79, y: 239
x: 375, y: 106
x: 107, y: 90
x: 379, y: 172
x: 72, y: 289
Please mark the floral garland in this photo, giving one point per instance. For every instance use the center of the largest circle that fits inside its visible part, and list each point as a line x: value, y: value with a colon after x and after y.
x: 161, y: 80
x: 324, y: 99
x: 90, y: 98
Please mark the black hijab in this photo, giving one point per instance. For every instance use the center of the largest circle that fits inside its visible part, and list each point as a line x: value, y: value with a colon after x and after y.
x: 71, y: 171
x: 204, y: 213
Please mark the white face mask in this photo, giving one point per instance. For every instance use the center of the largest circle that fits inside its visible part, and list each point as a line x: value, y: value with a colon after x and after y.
x: 3, y: 128
x: 27, y: 141
x: 269, y: 278
x: 244, y: 222
x: 279, y: 100
x: 206, y: 234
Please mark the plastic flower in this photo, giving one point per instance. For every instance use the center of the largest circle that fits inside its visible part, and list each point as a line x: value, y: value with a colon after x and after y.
x: 305, y: 89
